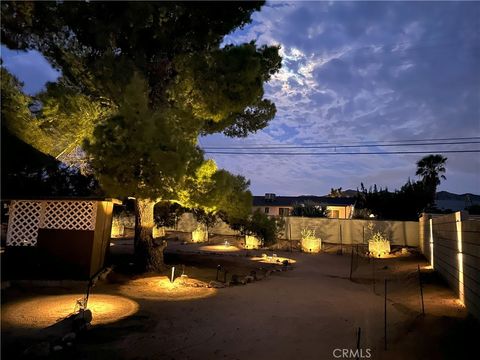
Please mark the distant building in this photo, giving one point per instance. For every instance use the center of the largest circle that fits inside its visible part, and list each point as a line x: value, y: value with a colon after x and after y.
x: 273, y: 205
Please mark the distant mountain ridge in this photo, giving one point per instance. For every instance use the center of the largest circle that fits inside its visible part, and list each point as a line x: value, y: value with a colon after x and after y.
x: 441, y: 195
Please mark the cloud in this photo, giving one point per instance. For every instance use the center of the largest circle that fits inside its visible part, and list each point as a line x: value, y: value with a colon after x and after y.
x: 352, y: 71
x: 356, y: 71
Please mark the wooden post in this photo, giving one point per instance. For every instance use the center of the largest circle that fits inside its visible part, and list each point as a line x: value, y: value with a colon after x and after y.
x: 218, y: 270
x: 385, y: 318
x: 373, y: 274
x: 351, y: 265
x: 421, y: 289
x: 341, y: 238
x: 359, y: 332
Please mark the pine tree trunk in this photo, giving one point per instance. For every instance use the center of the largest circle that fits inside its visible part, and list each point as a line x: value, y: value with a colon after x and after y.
x: 148, y: 252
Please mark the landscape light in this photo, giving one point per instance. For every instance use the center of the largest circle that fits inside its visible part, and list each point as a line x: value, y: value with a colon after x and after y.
x: 461, y: 286
x: 431, y: 242
x: 162, y: 288
x: 219, y: 248
x: 44, y: 311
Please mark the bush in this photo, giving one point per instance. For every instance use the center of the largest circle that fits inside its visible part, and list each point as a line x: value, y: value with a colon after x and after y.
x: 309, y: 209
x: 260, y: 225
x: 166, y: 214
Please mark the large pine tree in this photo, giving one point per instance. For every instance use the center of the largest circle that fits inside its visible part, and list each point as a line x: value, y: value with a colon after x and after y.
x: 160, y: 70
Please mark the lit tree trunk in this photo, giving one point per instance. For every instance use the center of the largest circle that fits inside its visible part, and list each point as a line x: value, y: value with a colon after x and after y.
x: 148, y: 252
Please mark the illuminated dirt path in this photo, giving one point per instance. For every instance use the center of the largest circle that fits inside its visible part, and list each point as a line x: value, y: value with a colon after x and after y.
x: 306, y: 313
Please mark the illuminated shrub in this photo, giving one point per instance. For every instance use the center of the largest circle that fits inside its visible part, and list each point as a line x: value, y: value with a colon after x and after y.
x: 310, y: 243
x: 199, y: 235
x: 252, y: 242
x: 158, y: 231
x: 378, y: 245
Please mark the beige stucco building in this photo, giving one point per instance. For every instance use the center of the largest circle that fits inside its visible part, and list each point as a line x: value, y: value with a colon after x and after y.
x: 272, y: 205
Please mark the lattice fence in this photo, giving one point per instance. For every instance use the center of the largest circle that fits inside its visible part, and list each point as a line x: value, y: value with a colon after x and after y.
x: 27, y: 216
x: 23, y: 223
x: 69, y: 215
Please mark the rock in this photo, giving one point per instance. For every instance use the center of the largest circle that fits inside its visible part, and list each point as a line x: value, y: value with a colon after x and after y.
x: 57, y: 348
x: 216, y: 284
x: 85, y: 315
x: 69, y: 337
x: 69, y: 344
x: 235, y: 279
x: 253, y: 274
x: 38, y: 350
x: 248, y: 279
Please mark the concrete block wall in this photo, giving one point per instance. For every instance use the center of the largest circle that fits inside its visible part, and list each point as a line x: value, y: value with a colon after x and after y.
x: 451, y: 243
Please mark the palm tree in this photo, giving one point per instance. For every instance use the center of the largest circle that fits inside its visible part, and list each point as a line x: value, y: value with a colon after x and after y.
x: 431, y: 169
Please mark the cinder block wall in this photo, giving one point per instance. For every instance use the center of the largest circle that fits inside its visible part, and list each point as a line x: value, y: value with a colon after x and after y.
x: 451, y: 243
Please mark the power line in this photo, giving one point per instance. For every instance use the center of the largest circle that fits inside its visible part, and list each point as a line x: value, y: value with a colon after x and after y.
x: 350, y: 142
x: 337, y: 146
x: 344, y: 153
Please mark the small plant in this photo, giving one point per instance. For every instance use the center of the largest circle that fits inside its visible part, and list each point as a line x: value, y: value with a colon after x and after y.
x: 199, y: 234
x: 310, y: 243
x: 378, y: 245
x: 266, y: 229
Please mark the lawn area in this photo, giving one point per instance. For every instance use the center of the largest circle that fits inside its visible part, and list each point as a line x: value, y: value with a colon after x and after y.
x: 304, y: 313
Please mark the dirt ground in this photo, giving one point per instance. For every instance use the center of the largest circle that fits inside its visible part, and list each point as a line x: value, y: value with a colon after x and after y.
x: 304, y: 313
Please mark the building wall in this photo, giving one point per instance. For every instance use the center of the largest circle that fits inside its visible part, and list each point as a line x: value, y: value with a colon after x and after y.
x: 272, y: 210
x: 69, y: 238
x: 103, y: 229
x: 344, y: 212
x: 451, y: 243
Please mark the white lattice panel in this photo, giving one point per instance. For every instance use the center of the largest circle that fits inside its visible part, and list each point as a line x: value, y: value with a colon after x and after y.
x: 23, y: 223
x: 69, y: 215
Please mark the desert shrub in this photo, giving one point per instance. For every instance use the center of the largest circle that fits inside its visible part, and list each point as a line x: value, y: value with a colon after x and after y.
x: 310, y: 243
x: 260, y: 225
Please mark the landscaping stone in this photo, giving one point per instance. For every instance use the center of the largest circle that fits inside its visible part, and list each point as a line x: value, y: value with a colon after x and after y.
x: 249, y: 279
x: 216, y: 284
x: 57, y: 348
x: 69, y: 337
x: 41, y: 349
x: 85, y: 315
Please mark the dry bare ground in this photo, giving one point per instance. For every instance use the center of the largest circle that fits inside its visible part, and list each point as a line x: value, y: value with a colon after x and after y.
x: 306, y: 313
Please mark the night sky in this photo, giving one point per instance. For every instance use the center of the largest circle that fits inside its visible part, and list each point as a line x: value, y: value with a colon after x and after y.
x: 363, y: 72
